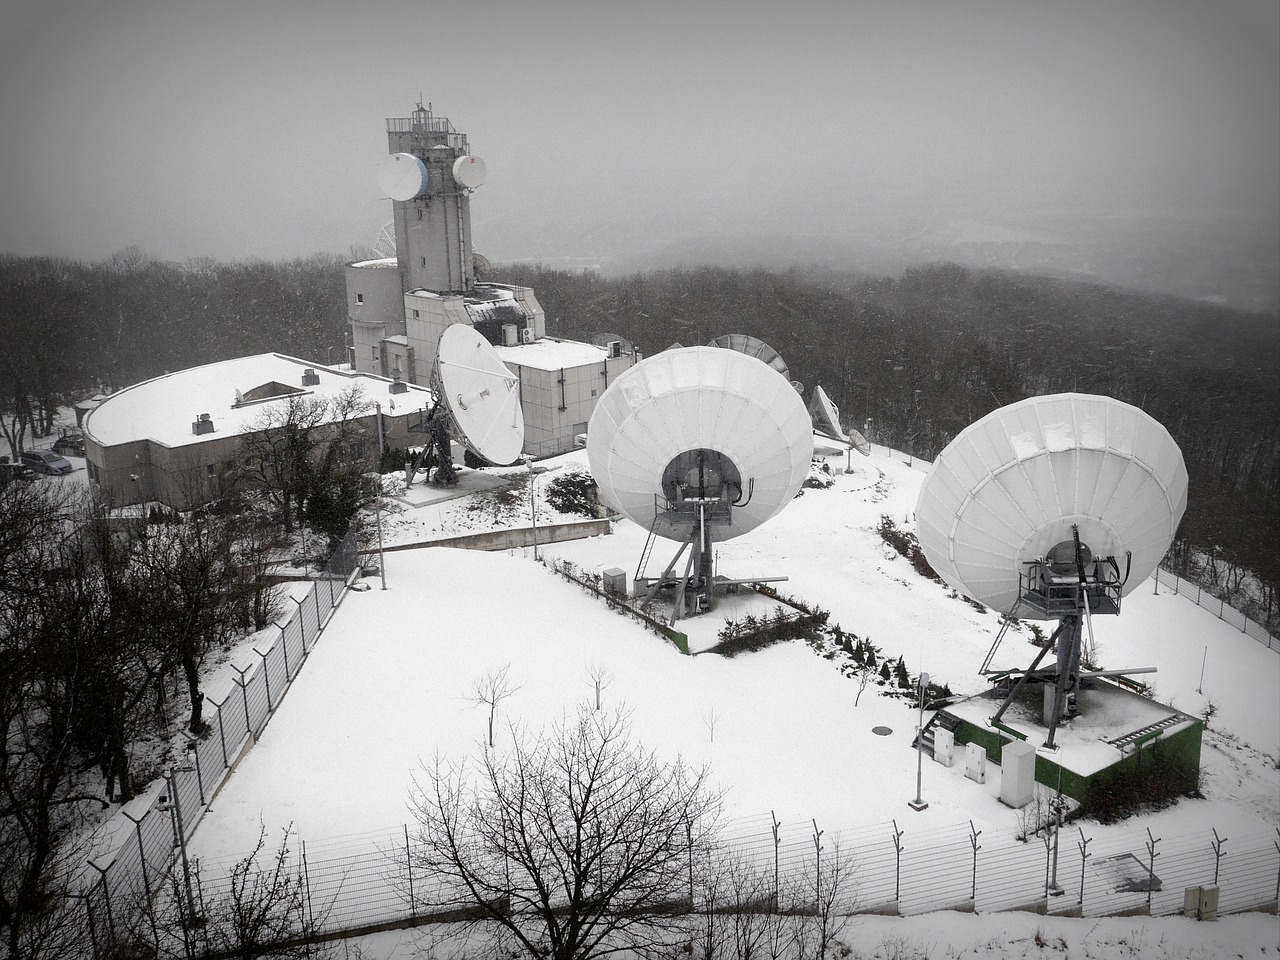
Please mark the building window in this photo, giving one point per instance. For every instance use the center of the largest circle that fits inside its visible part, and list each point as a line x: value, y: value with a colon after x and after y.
x: 359, y: 298
x: 424, y: 261
x: 374, y: 350
x: 419, y: 214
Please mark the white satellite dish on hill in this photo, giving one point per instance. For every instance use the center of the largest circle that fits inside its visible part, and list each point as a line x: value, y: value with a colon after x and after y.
x: 477, y: 404
x: 1053, y: 508
x: 754, y: 347
x: 698, y: 445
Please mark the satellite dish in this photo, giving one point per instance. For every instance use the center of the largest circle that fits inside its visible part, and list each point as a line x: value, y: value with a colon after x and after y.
x: 798, y: 387
x: 385, y: 246
x: 752, y: 347
x: 402, y: 176
x: 1015, y: 485
x: 480, y: 265
x: 479, y: 394
x: 699, y: 416
x: 469, y: 172
x: 859, y: 443
x: 825, y: 415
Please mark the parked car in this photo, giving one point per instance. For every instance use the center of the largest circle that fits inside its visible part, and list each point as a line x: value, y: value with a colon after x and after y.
x: 14, y: 471
x: 46, y: 461
x: 69, y: 445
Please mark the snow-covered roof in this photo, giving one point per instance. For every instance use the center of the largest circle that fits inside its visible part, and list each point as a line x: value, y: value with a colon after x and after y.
x: 380, y: 263
x: 548, y: 353
x: 163, y: 409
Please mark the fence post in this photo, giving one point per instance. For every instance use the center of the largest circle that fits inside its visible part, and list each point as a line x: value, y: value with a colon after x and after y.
x: 315, y: 594
x: 284, y: 645
x: 776, y: 841
x: 897, y: 870
x: 973, y: 885
x: 1083, y: 844
x: 302, y: 622
x: 1217, y: 845
x: 266, y: 676
x: 408, y: 860
x: 244, y: 697
x: 1151, y: 867
x: 106, y: 893
x: 222, y: 736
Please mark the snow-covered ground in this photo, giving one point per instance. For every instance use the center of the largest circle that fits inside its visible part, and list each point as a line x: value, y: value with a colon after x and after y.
x: 390, y: 686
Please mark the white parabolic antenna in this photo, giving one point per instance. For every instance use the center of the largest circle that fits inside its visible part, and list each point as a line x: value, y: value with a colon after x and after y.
x: 469, y: 172
x: 402, y: 176
x: 481, y: 395
x: 1013, y: 485
x: 699, y: 408
x: 753, y: 347
x: 826, y: 417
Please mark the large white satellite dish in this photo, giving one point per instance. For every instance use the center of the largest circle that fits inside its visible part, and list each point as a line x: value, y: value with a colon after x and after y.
x: 699, y: 444
x: 1053, y: 507
x: 1012, y: 486
x: 481, y: 395
x: 469, y: 172
x: 402, y: 176
x: 679, y: 402
x: 753, y: 347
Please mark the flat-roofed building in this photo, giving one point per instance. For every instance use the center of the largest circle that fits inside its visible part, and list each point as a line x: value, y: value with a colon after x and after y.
x: 178, y: 438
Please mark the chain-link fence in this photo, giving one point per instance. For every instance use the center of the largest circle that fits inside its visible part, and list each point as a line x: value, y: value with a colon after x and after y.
x: 135, y: 851
x: 366, y: 881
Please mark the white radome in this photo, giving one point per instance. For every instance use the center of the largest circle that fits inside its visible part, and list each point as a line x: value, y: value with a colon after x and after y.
x: 1010, y: 486
x: 699, y: 398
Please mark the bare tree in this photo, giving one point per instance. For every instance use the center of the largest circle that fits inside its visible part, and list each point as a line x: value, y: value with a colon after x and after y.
x: 576, y: 843
x: 600, y: 679
x: 490, y: 690
x: 299, y: 446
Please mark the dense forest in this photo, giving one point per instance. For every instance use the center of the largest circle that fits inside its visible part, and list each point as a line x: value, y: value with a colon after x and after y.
x: 921, y: 355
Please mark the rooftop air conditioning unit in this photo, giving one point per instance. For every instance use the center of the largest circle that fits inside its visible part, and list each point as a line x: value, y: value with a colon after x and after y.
x: 509, y: 336
x: 309, y: 377
x: 202, y: 424
x: 615, y: 348
x: 398, y: 386
x: 526, y: 335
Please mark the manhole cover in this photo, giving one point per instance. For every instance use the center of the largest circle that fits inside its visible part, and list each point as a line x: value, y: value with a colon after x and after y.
x: 882, y: 731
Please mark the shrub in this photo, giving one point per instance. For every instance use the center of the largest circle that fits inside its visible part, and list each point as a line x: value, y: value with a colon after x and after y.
x: 574, y: 492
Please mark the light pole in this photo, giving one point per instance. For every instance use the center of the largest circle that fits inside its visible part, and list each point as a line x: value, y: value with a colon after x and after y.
x: 377, y: 509
x: 533, y: 507
x: 918, y: 803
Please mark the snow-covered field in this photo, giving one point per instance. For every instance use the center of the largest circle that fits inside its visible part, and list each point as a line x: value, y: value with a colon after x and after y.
x: 390, y: 686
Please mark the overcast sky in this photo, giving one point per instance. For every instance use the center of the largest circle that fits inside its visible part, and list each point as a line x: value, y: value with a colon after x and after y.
x: 250, y: 129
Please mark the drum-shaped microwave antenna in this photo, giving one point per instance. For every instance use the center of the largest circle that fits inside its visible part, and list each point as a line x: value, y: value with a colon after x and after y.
x: 480, y: 394
x: 753, y: 347
x: 694, y: 425
x: 1030, y: 480
x: 469, y: 172
x: 402, y: 176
